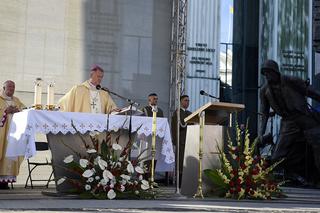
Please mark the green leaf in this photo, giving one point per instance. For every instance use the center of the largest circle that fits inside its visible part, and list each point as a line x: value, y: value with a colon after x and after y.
x: 104, y: 150
x: 86, y: 195
x: 214, y: 176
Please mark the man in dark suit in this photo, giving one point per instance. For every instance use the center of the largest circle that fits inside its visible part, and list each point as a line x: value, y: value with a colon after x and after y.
x: 153, y: 101
x: 184, y: 104
x: 286, y: 95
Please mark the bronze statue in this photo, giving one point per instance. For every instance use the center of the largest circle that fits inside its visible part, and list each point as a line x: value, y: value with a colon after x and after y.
x: 287, y: 95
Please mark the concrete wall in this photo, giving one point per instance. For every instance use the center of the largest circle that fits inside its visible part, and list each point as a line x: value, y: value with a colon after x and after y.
x: 58, y: 40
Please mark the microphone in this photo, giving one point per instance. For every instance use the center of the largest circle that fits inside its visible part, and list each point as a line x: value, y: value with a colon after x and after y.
x: 203, y: 92
x: 206, y: 94
x: 99, y: 87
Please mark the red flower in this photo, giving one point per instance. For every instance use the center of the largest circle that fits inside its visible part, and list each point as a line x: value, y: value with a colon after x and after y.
x: 134, y: 162
x: 256, y: 159
x: 243, y: 166
x: 247, y: 189
x: 238, y: 181
x: 255, y: 171
x: 248, y: 181
x: 234, y: 172
x: 231, y: 184
x: 238, y: 188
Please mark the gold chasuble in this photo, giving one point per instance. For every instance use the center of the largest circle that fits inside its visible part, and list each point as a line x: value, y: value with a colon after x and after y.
x: 84, y: 98
x: 9, y: 169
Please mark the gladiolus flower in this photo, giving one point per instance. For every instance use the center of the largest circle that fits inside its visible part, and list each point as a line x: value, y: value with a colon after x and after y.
x: 234, y: 172
x: 238, y: 181
x: 243, y: 166
x: 238, y: 189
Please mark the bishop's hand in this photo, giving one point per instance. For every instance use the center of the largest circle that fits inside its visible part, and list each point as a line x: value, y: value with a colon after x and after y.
x: 12, y: 109
x: 116, y: 110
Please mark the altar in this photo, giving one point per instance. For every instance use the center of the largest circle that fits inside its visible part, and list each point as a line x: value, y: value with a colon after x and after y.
x: 25, y: 125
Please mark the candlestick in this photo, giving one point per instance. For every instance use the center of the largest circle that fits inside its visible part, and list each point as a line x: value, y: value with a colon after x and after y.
x: 50, y: 96
x: 37, y: 93
x: 153, y: 145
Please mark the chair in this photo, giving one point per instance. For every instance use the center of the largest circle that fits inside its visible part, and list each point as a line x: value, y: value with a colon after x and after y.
x: 32, y: 165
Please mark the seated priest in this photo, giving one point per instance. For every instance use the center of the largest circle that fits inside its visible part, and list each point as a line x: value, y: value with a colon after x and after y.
x: 9, y: 105
x: 87, y: 98
x: 152, y: 106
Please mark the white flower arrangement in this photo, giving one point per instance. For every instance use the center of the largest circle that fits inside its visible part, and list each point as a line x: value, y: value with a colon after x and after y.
x: 108, y: 174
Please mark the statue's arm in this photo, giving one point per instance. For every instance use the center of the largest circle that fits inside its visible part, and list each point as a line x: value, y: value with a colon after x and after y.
x: 304, y: 88
x: 312, y: 93
x: 265, y: 109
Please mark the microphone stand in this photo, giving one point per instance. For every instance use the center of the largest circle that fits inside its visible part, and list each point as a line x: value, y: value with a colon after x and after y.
x: 211, y: 96
x: 131, y: 102
x: 208, y: 95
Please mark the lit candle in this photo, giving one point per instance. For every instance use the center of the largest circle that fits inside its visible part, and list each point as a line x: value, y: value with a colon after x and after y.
x: 50, y: 94
x: 37, y: 92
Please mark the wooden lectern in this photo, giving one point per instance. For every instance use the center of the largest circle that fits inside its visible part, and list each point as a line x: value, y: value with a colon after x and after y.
x: 202, y: 141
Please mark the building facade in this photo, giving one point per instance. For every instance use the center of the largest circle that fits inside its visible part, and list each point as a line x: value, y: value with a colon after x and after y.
x: 58, y: 40
x: 203, y: 52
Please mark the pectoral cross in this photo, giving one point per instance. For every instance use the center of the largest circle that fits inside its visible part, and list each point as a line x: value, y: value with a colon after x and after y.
x: 93, y: 104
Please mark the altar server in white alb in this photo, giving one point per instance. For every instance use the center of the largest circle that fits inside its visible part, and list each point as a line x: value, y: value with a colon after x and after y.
x: 9, y: 105
x: 86, y: 98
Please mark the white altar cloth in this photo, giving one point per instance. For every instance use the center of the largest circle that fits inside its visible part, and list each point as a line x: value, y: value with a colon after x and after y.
x: 25, y: 124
